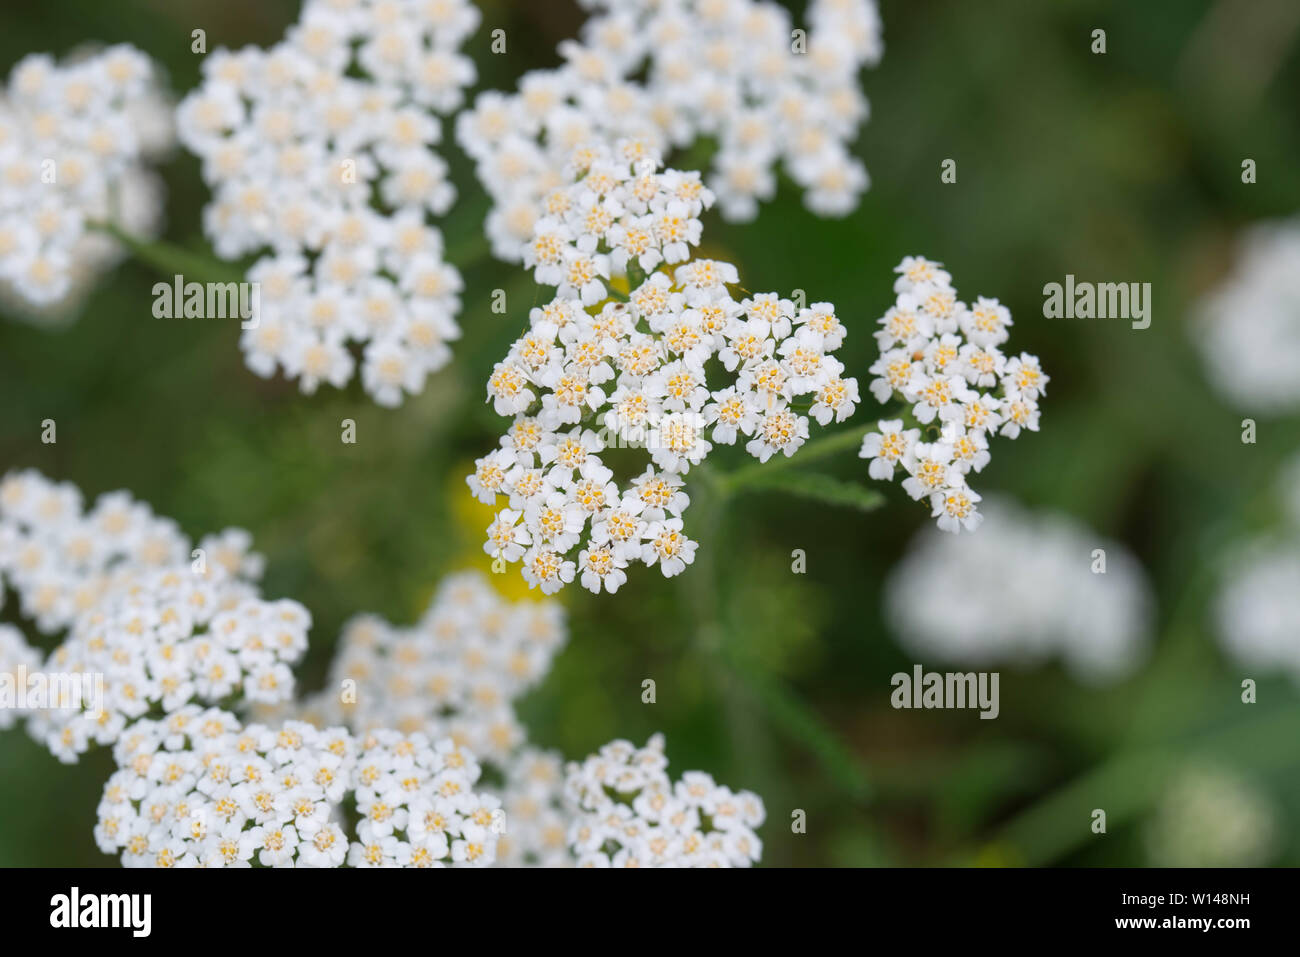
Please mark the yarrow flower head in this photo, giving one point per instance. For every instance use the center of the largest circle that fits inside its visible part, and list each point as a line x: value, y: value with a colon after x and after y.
x: 62, y: 558
x: 1027, y: 588
x: 201, y: 790
x: 599, y: 369
x: 321, y: 149
x: 76, y: 141
x: 198, y: 789
x: 628, y: 813
x: 671, y: 73
x: 417, y: 805
x: 162, y: 640
x: 1248, y: 328
x: 945, y: 360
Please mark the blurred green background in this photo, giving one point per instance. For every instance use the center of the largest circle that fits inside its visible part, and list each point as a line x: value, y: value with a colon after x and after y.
x: 1117, y: 167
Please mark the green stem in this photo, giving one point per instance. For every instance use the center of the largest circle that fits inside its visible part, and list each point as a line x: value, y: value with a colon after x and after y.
x: 782, y: 706
x: 170, y: 260
x: 1128, y: 784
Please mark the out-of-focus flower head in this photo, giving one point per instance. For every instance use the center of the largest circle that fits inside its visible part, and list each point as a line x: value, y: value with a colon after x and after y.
x: 454, y: 675
x: 62, y: 558
x: 321, y: 150
x: 76, y: 142
x: 1248, y: 328
x: 1029, y: 587
x: 1257, y: 607
x: 1209, y: 816
x: 672, y: 74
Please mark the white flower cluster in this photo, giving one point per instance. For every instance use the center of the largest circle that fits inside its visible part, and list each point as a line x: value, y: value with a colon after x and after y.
x: 161, y: 640
x: 320, y: 148
x: 1028, y: 587
x: 1248, y: 328
x: 199, y: 790
x: 17, y: 658
x: 75, y: 141
x: 673, y: 72
x: 454, y: 675
x: 1257, y: 609
x: 594, y: 372
x: 61, y: 558
x: 942, y: 357
x: 628, y: 813
x: 417, y: 804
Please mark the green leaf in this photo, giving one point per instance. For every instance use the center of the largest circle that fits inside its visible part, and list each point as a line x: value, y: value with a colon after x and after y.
x: 819, y: 488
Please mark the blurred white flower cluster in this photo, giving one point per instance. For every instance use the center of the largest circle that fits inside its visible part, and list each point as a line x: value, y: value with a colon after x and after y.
x: 942, y: 358
x: 673, y: 73
x: 1210, y: 816
x: 1248, y: 328
x: 62, y: 558
x: 1029, y: 587
x: 599, y: 368
x: 629, y: 813
x: 76, y: 141
x: 1257, y: 608
x: 455, y: 674
x: 200, y: 790
x: 160, y: 640
x: 321, y: 149
x: 537, y: 817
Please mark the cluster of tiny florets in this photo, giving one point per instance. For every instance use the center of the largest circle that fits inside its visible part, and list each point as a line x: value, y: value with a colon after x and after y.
x: 161, y: 640
x: 199, y: 790
x: 674, y: 73
x: 598, y: 369
x: 418, y: 807
x: 76, y: 139
x: 61, y: 558
x: 943, y: 358
x: 629, y: 813
x: 321, y: 149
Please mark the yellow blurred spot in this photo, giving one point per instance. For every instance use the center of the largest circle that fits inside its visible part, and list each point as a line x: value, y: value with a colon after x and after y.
x: 997, y: 855
x: 470, y: 518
